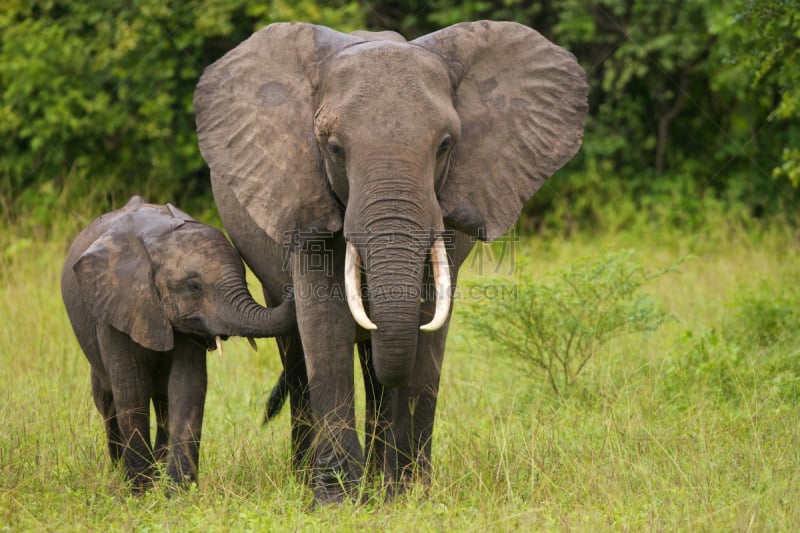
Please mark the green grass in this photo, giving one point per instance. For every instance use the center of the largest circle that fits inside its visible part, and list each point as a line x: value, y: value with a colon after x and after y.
x: 696, y: 427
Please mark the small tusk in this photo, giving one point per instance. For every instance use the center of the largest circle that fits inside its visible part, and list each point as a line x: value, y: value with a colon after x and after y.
x: 352, y: 288
x: 219, y: 345
x: 441, y: 279
x: 252, y: 342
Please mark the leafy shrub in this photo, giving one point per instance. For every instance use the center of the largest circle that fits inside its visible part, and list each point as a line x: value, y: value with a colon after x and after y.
x: 702, y: 94
x: 558, y: 325
x: 766, y: 317
x: 755, y: 347
x: 96, y: 97
x: 688, y: 106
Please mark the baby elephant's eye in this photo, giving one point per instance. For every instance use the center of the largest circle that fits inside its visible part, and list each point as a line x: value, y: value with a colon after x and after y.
x: 194, y: 287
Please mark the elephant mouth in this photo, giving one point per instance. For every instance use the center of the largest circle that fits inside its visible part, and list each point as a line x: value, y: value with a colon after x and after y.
x: 196, y: 329
x: 213, y: 343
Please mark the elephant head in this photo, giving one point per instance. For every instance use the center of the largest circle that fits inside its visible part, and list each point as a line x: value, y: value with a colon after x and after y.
x: 394, y: 143
x: 154, y: 270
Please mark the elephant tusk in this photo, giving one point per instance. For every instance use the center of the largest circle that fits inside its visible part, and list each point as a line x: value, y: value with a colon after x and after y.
x: 252, y: 342
x: 352, y: 288
x: 441, y: 278
x: 219, y: 345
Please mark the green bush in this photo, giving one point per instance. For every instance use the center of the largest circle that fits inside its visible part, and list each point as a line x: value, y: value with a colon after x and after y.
x: 691, y: 103
x: 756, y: 346
x: 766, y: 317
x: 558, y: 325
x: 96, y: 98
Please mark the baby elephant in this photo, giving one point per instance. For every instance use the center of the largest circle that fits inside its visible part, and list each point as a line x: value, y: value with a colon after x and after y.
x: 148, y: 290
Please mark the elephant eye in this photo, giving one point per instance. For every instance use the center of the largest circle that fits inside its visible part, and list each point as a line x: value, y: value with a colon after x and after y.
x: 335, y: 149
x: 194, y: 287
x: 445, y: 145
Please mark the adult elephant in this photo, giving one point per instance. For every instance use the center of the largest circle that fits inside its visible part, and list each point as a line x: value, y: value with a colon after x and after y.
x: 333, y: 155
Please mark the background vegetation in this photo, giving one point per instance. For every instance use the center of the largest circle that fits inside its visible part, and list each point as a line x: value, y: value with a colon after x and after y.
x: 557, y: 326
x: 691, y: 101
x: 691, y: 157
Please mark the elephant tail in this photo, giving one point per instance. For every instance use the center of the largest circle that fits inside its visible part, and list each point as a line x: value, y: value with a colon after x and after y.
x: 276, y: 398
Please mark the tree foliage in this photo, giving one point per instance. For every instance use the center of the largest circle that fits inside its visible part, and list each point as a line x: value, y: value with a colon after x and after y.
x: 97, y: 97
x: 771, y: 44
x: 690, y: 99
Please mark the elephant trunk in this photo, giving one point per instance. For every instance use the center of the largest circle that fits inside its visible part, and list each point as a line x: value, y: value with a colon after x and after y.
x: 395, y: 272
x: 390, y: 224
x: 394, y: 265
x: 242, y: 316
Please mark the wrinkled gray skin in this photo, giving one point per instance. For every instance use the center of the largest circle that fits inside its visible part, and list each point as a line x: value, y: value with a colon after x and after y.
x: 314, y: 138
x: 147, y: 289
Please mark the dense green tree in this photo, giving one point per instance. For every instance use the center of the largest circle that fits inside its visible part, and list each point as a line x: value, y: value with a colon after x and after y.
x: 96, y: 98
x: 690, y: 100
x: 674, y: 103
x: 769, y: 52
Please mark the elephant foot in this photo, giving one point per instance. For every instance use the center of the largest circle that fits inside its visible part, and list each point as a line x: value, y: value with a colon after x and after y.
x: 174, y: 488
x: 141, y: 483
x: 325, y: 495
x: 330, y: 495
x: 182, y: 474
x: 396, y: 487
x: 182, y: 480
x: 411, y: 475
x: 335, y: 480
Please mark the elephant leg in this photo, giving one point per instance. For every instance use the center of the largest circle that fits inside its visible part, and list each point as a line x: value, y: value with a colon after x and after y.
x: 413, y: 411
x: 291, y: 350
x: 104, y: 401
x: 328, y: 333
x: 161, y: 408
x: 128, y: 366
x: 377, y: 417
x: 134, y: 425
x: 186, y: 395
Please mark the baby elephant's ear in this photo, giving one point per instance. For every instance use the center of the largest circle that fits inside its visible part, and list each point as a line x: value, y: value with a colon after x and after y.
x: 115, y: 277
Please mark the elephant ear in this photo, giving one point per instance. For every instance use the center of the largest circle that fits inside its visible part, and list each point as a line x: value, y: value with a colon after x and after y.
x: 522, y: 102
x: 255, y: 116
x: 115, y: 277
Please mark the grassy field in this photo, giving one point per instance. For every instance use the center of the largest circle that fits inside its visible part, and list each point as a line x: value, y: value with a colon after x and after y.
x: 695, y: 428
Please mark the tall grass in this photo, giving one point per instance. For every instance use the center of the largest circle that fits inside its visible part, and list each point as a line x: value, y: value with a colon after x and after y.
x: 696, y: 427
